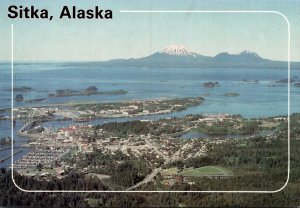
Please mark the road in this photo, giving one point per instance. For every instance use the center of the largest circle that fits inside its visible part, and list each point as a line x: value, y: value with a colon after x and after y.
x: 166, y: 158
x: 147, y: 179
x: 178, y: 151
x: 155, y: 171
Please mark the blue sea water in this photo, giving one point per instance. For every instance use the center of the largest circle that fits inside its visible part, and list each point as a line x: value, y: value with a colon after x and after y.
x: 255, y: 99
x: 144, y: 83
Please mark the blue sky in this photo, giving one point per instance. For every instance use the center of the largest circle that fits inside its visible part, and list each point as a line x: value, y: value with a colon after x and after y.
x: 134, y: 35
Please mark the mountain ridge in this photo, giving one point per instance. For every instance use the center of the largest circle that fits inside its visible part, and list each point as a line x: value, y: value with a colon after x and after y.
x: 179, y: 56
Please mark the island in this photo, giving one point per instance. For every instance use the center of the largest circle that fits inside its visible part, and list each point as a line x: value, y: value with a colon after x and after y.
x: 249, y: 80
x: 285, y: 81
x: 231, y: 94
x: 297, y: 84
x: 210, y: 84
x: 5, y: 140
x: 21, y: 89
x: 89, y: 111
x: 19, y: 97
x: 92, y: 90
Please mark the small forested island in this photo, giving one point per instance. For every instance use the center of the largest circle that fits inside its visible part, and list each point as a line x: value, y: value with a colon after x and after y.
x: 297, y: 84
x: 92, y: 90
x: 5, y: 140
x: 19, y: 97
x: 285, y: 81
x: 251, y: 81
x: 231, y: 94
x: 211, y: 84
x: 21, y: 89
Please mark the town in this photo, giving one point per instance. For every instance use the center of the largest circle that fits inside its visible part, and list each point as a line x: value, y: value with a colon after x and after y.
x: 154, y: 148
x: 90, y: 111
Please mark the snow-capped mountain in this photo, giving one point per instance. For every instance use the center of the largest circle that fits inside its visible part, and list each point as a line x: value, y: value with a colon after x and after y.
x: 177, y: 50
x: 180, y: 56
x: 248, y: 52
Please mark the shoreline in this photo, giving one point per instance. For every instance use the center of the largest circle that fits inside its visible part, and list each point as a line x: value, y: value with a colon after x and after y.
x: 118, y: 109
x: 83, y: 103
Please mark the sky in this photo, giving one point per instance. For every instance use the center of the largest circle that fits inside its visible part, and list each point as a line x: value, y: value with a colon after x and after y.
x: 133, y: 35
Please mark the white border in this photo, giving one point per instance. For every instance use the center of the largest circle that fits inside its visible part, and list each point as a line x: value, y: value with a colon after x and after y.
x: 122, y: 191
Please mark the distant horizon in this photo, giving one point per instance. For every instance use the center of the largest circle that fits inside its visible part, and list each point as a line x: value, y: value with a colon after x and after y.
x: 79, y: 61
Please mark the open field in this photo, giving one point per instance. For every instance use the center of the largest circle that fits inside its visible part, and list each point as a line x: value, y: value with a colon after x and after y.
x: 198, y: 172
x: 207, y: 171
x: 170, y: 171
x: 267, y: 124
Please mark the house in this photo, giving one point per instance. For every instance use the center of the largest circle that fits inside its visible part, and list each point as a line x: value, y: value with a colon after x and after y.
x: 178, y: 179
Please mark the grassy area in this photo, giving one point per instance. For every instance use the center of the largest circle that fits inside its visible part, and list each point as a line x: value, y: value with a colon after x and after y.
x: 207, y: 171
x: 197, y: 172
x: 92, y: 202
x: 170, y: 171
x: 242, y: 145
x: 267, y: 124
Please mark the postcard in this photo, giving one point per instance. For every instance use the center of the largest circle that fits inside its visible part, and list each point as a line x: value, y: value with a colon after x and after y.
x: 149, y: 103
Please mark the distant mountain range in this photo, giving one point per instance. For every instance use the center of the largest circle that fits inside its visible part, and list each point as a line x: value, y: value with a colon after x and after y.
x: 180, y: 56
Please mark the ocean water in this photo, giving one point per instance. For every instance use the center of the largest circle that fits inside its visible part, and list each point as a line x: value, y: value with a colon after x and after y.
x: 259, y: 99
x: 144, y: 83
